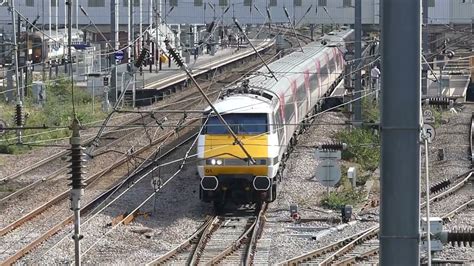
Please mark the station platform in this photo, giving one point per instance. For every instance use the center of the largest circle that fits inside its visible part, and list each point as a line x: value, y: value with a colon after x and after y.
x: 455, y: 79
x: 153, y: 86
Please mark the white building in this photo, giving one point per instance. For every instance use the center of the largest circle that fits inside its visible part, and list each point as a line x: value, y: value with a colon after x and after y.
x: 199, y: 11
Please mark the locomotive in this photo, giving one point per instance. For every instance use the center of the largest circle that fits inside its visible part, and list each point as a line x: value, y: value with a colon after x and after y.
x: 266, y: 114
x: 48, y: 49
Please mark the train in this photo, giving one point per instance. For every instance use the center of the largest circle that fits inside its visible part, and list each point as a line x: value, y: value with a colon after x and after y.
x: 49, y: 49
x: 266, y: 114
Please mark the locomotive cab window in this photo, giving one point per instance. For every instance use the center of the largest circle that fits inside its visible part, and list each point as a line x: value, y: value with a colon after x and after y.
x: 240, y: 123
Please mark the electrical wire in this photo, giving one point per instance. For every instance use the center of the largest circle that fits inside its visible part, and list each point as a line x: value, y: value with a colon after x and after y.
x: 149, y: 197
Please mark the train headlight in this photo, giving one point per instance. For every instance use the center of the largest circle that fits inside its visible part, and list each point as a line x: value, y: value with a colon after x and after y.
x: 214, y: 161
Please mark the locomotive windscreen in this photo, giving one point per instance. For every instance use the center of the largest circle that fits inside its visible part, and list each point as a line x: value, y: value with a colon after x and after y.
x: 240, y: 123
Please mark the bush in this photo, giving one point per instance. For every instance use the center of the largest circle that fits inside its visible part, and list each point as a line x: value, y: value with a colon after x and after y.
x: 56, y: 111
x: 370, y: 110
x: 336, y: 200
x: 363, y: 147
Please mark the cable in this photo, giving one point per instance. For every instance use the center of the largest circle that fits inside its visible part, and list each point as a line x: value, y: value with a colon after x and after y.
x: 427, y: 192
x: 322, y: 84
x: 143, y: 202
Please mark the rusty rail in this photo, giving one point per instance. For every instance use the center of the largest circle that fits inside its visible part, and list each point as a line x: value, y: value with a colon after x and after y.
x: 86, y: 208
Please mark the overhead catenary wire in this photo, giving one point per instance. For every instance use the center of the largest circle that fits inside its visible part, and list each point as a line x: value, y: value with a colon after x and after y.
x: 144, y: 201
x: 322, y: 84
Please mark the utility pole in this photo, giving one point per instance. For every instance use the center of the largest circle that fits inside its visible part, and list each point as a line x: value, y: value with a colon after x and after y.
x: 358, y: 58
x: 131, y: 40
x: 157, y: 34
x: 19, y: 104
x: 77, y: 183
x: 400, y: 132
x: 18, y: 52
x: 43, y: 49
x: 77, y: 15
x: 114, y: 20
x: 140, y: 41
x: 424, y: 71
x: 50, y: 15
x: 56, y: 7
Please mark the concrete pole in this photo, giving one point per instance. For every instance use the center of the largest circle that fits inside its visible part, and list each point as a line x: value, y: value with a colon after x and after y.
x: 44, y: 48
x: 157, y: 33
x: 57, y: 22
x: 140, y: 45
x: 400, y: 132
x: 358, y: 56
x: 130, y: 29
x: 50, y: 15
x: 77, y: 14
x: 114, y: 17
x: 19, y: 104
x: 424, y: 72
x: 131, y: 32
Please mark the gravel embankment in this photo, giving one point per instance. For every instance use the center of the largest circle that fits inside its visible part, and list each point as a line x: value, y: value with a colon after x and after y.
x: 176, y: 215
x: 284, y: 239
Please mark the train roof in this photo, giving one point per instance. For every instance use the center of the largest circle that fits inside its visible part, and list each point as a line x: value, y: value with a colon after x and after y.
x: 296, y: 62
x: 243, y: 104
x: 261, y: 90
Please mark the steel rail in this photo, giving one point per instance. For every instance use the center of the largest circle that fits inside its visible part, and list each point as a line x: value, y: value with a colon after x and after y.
x: 449, y: 215
x: 471, y: 140
x: 449, y: 191
x: 88, y: 181
x: 321, y: 251
x: 124, y: 125
x: 234, y: 246
x: 197, y: 252
x: 256, y: 233
x: 90, y: 206
x: 66, y: 167
x: 186, y: 244
x: 53, y: 157
x: 359, y: 257
x: 372, y: 252
x: 368, y: 234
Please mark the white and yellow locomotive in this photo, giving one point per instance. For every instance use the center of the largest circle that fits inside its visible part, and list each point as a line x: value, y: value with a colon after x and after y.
x: 265, y: 114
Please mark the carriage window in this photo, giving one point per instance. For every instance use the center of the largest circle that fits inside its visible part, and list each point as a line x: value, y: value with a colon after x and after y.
x: 313, y: 82
x: 301, y: 94
x: 332, y: 65
x: 324, y: 72
x: 289, y: 108
x: 240, y: 124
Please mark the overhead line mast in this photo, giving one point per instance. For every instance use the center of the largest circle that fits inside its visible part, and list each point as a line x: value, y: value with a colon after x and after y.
x: 400, y: 132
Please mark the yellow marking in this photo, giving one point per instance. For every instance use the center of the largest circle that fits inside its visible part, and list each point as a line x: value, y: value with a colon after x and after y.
x: 236, y: 170
x: 222, y: 146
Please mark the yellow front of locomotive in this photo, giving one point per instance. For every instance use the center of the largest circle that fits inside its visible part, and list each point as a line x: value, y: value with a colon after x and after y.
x: 226, y: 172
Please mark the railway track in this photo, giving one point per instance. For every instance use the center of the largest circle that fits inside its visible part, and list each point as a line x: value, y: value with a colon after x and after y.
x: 57, y: 158
x: 50, y: 215
x: 30, y: 217
x: 364, y: 245
x: 229, y: 239
x: 117, y: 136
x: 9, y: 229
x: 471, y: 141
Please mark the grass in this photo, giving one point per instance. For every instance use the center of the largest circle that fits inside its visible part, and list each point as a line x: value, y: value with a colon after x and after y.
x: 336, y: 200
x: 345, y: 195
x: 363, y: 147
x: 57, y: 111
